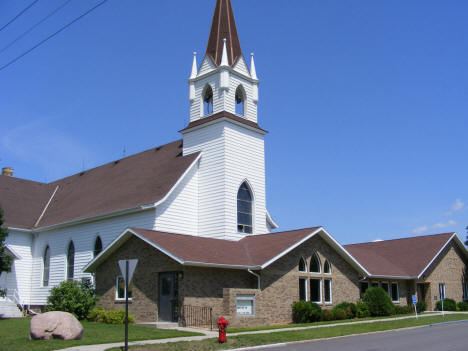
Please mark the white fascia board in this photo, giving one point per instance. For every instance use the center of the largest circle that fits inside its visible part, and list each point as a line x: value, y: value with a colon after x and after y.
x: 459, y: 243
x: 126, y: 234
x: 224, y: 119
x: 13, y: 252
x: 220, y: 265
x: 289, y: 249
x: 187, y: 171
x: 345, y: 253
x: 395, y: 277
x: 21, y: 230
x: 271, y: 221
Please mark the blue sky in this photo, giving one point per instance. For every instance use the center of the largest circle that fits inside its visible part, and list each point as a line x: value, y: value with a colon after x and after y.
x: 365, y: 101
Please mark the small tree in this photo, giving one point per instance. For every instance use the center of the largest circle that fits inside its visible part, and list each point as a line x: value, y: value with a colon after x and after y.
x: 5, y: 257
x: 74, y: 297
x: 378, y: 301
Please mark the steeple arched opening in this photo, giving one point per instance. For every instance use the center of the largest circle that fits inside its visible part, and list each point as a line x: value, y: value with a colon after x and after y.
x: 207, y: 100
x: 244, y: 209
x: 240, y: 101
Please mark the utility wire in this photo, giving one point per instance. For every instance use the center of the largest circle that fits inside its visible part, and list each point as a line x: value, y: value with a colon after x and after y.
x: 34, y: 26
x: 19, y: 14
x: 52, y: 35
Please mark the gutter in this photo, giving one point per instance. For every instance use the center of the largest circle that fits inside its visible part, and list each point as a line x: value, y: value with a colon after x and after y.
x: 258, y: 279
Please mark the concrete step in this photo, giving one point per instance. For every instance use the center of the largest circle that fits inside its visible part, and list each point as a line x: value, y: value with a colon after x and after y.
x: 9, y: 309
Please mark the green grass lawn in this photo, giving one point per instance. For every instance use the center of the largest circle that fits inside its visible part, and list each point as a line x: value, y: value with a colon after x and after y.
x: 14, y: 335
x: 297, y: 335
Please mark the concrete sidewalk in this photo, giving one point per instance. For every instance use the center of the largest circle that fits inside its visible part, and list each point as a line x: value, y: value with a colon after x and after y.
x: 213, y: 334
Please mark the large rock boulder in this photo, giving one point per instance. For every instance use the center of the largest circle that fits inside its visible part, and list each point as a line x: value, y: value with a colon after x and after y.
x: 57, y: 325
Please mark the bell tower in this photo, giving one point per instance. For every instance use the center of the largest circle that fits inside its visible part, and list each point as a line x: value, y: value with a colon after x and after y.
x: 223, y: 94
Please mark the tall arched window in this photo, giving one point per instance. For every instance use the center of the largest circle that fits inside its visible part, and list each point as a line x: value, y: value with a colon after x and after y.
x: 244, y: 209
x: 326, y: 267
x: 70, y: 261
x: 207, y: 100
x: 240, y: 98
x: 97, y: 246
x: 314, y: 264
x: 46, y: 261
x: 302, y: 265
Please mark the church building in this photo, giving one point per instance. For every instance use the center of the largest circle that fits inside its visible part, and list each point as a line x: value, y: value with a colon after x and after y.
x: 199, y: 225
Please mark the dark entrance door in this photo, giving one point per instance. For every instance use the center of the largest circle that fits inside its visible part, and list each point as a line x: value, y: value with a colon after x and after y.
x: 421, y: 289
x: 168, y: 297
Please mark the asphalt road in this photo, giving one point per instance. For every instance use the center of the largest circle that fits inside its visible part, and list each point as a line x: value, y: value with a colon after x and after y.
x: 441, y: 337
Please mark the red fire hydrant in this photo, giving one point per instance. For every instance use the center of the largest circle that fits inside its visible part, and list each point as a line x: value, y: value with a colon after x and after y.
x: 222, y: 325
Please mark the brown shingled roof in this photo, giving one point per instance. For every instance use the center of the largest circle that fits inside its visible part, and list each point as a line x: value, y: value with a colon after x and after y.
x: 405, y: 257
x: 219, y: 115
x: 223, y: 27
x: 137, y: 180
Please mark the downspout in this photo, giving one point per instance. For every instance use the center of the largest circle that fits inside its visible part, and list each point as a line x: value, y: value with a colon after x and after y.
x: 258, y: 278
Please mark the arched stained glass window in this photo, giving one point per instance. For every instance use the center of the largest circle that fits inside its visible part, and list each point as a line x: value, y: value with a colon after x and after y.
x: 302, y: 265
x: 97, y: 247
x: 314, y: 264
x: 326, y: 267
x: 244, y: 209
x: 70, y: 261
x: 46, y: 261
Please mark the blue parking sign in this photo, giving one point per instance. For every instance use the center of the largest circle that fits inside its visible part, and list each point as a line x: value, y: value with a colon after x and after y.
x: 414, y: 299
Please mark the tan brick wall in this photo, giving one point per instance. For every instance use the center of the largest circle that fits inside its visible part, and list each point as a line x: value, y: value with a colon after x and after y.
x: 144, y: 305
x: 450, y: 269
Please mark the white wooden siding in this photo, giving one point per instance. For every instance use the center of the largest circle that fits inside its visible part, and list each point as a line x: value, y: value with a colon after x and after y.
x: 241, y: 67
x: 83, y: 236
x: 206, y: 66
x: 20, y: 276
x: 179, y: 213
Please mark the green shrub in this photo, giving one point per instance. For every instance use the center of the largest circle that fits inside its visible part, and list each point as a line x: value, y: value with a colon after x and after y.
x: 404, y: 309
x: 378, y: 301
x: 117, y: 317
x: 421, y: 306
x: 348, y: 307
x: 362, y: 310
x: 328, y: 315
x: 306, y: 312
x: 340, y: 314
x: 462, y: 306
x: 449, y: 305
x: 74, y: 297
x: 96, y: 315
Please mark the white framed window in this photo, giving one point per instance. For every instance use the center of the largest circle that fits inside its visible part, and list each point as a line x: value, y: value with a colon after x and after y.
x: 70, y: 261
x: 244, y: 209
x: 303, y: 289
x: 442, y: 291
x: 302, y: 265
x: 327, y: 287
x: 386, y: 287
x: 465, y: 292
x: 46, y: 266
x: 316, y: 290
x: 120, y: 288
x: 245, y: 305
x: 395, y: 293
x: 315, y: 264
x: 327, y: 267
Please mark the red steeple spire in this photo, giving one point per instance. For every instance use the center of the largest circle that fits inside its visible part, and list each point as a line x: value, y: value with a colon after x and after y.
x: 223, y: 26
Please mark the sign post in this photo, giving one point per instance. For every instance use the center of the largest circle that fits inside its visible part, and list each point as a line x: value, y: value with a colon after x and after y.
x: 415, y: 301
x: 127, y: 267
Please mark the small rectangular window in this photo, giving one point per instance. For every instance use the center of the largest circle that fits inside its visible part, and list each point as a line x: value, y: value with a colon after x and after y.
x: 395, y: 293
x: 315, y: 293
x: 375, y: 284
x: 120, y: 288
x: 302, y: 289
x: 442, y: 291
x: 328, y: 290
x: 245, y: 305
x: 385, y: 287
x: 364, y: 287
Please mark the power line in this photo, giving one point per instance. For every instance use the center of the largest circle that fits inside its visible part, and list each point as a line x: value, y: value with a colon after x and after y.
x: 19, y: 14
x: 35, y: 25
x: 52, y: 35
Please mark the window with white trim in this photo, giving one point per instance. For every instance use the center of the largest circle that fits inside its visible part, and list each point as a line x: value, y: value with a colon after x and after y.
x: 46, y: 270
x: 385, y: 286
x: 244, y: 209
x: 327, y: 267
x: 316, y: 290
x: 245, y: 305
x: 302, y: 265
x: 395, y: 293
x: 327, y: 284
x: 303, y: 289
x: 70, y: 261
x: 314, y: 264
x: 120, y: 288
